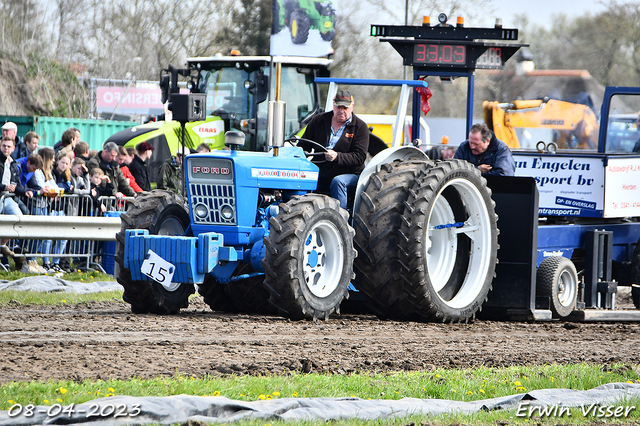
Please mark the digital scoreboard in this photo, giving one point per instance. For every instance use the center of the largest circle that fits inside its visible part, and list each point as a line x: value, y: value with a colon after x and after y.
x: 442, y: 48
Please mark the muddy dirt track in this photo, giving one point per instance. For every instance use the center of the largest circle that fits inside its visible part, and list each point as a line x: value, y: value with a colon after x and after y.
x: 105, y: 340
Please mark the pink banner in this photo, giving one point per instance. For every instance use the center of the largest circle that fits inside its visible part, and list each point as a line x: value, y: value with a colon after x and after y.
x: 134, y: 101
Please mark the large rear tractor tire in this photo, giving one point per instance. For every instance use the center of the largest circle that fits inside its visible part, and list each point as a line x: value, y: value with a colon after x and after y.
x: 450, y: 253
x: 161, y: 213
x: 635, y: 276
x: 557, y: 279
x: 377, y: 223
x: 299, y: 27
x: 309, y: 257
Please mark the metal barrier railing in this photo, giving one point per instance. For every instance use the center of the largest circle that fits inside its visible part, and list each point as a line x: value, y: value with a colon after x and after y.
x: 57, y: 238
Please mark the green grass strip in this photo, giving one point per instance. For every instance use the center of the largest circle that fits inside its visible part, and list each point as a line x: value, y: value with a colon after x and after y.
x: 460, y: 385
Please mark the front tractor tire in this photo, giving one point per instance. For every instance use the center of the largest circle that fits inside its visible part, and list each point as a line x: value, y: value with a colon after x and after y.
x: 450, y: 252
x: 299, y: 26
x: 557, y: 279
x: 161, y: 213
x: 309, y: 257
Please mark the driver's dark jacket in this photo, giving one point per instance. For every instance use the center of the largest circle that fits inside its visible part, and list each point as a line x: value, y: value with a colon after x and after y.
x: 351, y: 147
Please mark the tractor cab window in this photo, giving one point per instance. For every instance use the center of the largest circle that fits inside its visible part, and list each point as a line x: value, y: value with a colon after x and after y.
x: 227, y: 96
x: 623, y: 134
x: 297, y: 90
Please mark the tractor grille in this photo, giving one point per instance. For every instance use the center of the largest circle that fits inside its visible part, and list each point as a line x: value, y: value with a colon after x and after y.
x: 214, y: 198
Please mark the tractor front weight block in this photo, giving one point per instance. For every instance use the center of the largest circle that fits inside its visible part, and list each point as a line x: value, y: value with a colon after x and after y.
x: 192, y: 257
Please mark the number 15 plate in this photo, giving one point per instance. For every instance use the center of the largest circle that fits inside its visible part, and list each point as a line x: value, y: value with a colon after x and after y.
x: 159, y: 270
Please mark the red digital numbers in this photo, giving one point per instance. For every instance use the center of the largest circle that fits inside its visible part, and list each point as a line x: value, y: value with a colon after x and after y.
x: 440, y: 54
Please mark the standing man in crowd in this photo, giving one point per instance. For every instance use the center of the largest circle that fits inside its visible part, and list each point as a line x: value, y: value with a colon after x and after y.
x: 124, y: 158
x: 138, y: 166
x: 28, y: 166
x: 31, y: 142
x: 346, y: 139
x: 10, y: 129
x: 70, y: 138
x: 489, y: 154
x: 106, y: 160
x: 170, y: 175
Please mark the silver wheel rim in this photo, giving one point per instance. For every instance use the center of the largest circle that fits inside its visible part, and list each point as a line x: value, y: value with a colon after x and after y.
x: 323, y: 259
x: 171, y: 226
x: 567, y: 287
x: 442, y: 245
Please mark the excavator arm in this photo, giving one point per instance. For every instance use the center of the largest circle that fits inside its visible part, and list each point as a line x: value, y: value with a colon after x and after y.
x: 569, y: 119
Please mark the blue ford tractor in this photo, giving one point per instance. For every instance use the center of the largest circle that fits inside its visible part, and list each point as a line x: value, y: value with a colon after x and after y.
x: 252, y: 235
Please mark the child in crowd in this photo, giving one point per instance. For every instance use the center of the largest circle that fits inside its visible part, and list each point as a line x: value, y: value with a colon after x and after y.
x: 98, y: 189
x: 80, y: 177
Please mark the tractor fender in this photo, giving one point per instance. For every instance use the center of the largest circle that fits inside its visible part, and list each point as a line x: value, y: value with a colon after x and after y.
x: 385, y: 156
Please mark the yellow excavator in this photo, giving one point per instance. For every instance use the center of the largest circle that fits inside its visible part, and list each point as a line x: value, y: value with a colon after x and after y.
x: 574, y: 126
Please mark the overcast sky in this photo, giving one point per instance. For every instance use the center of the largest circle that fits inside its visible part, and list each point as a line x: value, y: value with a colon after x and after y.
x: 540, y: 11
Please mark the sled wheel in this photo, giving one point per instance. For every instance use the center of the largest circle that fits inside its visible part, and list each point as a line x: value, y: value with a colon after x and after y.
x: 557, y: 279
x: 377, y: 223
x: 299, y: 27
x: 309, y: 257
x: 635, y: 276
x: 161, y: 213
x: 451, y: 246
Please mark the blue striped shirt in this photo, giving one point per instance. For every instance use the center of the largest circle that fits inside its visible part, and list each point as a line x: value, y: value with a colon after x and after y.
x: 335, y: 136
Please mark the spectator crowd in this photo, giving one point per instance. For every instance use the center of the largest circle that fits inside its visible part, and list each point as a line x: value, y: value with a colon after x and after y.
x: 44, y: 181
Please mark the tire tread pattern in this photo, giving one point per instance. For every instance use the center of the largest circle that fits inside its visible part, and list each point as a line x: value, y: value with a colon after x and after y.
x: 377, y: 224
x: 302, y: 26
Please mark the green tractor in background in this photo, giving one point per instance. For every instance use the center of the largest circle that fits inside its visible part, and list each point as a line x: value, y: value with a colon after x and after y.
x: 300, y: 16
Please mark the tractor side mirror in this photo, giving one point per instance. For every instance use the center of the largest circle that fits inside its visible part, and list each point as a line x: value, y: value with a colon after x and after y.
x: 164, y: 87
x: 261, y: 88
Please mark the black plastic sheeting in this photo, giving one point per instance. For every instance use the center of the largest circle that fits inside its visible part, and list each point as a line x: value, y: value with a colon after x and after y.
x: 180, y: 409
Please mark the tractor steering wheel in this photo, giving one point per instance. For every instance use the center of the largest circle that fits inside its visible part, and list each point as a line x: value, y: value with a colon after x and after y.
x: 314, y: 155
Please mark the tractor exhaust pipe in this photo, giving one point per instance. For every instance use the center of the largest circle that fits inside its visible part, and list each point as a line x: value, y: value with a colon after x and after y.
x: 277, y: 117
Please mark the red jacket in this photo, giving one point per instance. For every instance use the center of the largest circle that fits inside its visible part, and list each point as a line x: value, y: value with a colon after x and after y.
x: 132, y: 181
